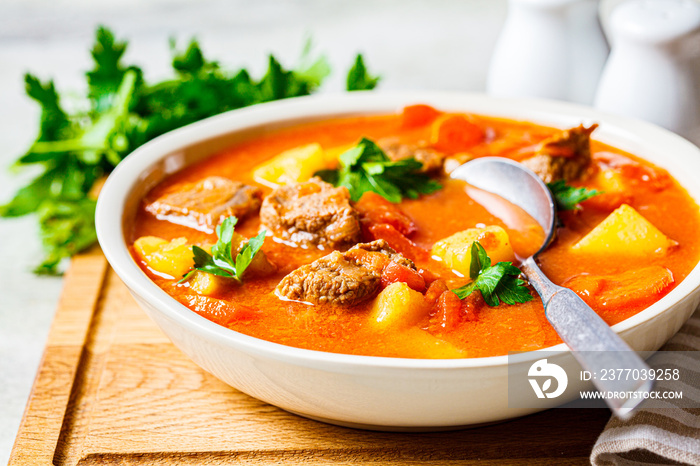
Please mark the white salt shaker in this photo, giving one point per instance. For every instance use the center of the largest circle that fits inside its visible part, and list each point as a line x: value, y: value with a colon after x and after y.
x: 549, y: 48
x: 653, y: 72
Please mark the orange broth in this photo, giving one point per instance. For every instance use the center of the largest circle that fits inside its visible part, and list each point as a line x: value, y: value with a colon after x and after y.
x: 499, y: 329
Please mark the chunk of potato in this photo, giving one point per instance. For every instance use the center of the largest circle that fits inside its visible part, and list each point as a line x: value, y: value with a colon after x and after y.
x: 624, y: 232
x: 455, y: 250
x: 206, y: 283
x: 422, y: 344
x: 398, y: 305
x: 609, y: 181
x: 172, y: 258
x: 295, y: 165
x: 613, y: 189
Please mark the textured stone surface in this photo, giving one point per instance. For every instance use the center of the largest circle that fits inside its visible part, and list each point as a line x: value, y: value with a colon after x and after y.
x: 413, y: 44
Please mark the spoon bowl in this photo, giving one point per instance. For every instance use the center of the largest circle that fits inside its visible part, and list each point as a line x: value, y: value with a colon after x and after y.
x: 516, y: 184
x: 593, y: 343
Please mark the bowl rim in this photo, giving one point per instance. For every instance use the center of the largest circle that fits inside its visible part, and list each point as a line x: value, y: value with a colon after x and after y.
x: 125, y: 178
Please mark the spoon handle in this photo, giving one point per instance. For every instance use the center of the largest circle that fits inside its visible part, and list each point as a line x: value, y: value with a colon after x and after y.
x: 593, y: 343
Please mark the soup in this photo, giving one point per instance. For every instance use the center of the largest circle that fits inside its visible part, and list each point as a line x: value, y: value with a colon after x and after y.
x: 349, y: 236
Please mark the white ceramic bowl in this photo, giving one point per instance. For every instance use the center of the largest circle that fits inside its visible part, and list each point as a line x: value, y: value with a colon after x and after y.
x: 364, y: 391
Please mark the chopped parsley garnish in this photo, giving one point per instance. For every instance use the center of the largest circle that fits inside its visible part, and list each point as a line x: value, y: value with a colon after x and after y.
x: 366, y: 167
x: 221, y: 262
x: 568, y: 197
x: 358, y: 77
x: 122, y: 111
x: 496, y: 283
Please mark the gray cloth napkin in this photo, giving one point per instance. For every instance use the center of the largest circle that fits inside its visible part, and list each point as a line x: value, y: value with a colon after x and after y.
x: 656, y: 436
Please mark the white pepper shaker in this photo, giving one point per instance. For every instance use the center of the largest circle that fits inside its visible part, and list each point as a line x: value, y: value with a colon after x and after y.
x: 549, y: 48
x: 653, y: 72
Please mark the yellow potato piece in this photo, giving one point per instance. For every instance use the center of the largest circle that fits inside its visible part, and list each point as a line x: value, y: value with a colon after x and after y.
x: 609, y: 181
x: 624, y: 232
x: 172, y: 258
x: 206, y: 283
x: 292, y: 166
x: 455, y: 250
x: 397, y: 305
x: 424, y: 345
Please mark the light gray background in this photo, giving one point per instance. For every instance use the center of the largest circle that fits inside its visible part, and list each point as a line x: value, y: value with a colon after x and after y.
x: 436, y: 44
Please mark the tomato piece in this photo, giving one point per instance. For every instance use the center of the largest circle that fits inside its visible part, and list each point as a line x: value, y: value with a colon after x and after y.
x: 434, y: 291
x: 654, y: 177
x: 629, y: 289
x: 397, y: 241
x: 471, y: 305
x: 447, y: 316
x: 428, y: 276
x: 455, y: 133
x: 217, y: 310
x: 414, y: 116
x: 375, y: 209
x: 370, y: 259
x: 395, y: 272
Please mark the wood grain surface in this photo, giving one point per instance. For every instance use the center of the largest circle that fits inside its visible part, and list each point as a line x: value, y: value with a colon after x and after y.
x: 112, y: 389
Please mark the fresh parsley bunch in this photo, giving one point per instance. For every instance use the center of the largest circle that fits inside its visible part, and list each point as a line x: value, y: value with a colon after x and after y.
x: 75, y: 150
x: 496, y: 283
x: 366, y: 167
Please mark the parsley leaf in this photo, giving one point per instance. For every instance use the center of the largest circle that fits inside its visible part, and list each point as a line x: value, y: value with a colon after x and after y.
x: 366, y: 167
x: 496, y: 283
x: 221, y: 262
x: 311, y: 71
x: 568, y: 197
x: 54, y: 123
x: 29, y: 198
x: 107, y: 75
x: 248, y: 252
x: 191, y: 61
x: 358, y: 77
x: 67, y: 227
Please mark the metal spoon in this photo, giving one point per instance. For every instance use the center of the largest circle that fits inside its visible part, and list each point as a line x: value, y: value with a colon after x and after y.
x: 593, y: 343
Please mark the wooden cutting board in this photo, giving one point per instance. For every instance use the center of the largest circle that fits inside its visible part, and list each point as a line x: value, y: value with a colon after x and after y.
x: 112, y: 389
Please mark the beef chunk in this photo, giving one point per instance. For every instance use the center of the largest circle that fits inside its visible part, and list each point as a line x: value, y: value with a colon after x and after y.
x: 204, y: 204
x: 311, y: 213
x: 330, y: 279
x: 565, y: 156
x: 395, y: 150
x: 341, y: 278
